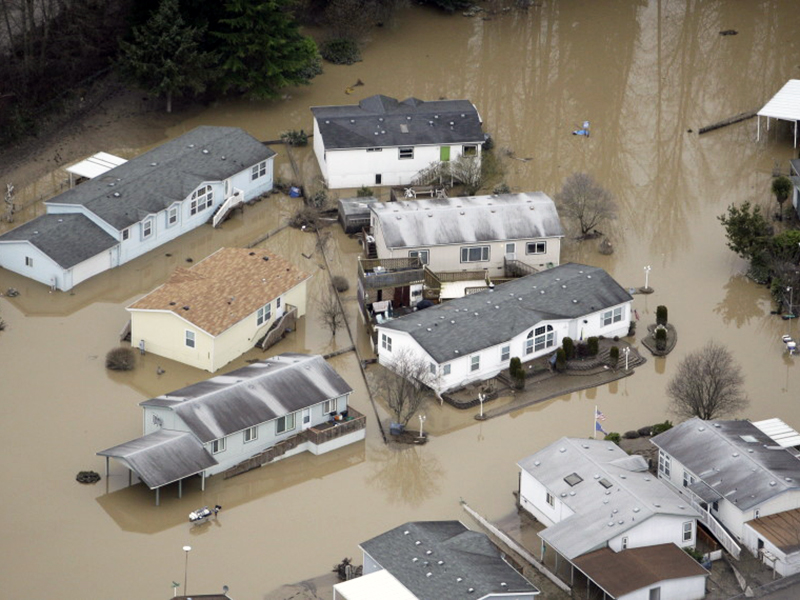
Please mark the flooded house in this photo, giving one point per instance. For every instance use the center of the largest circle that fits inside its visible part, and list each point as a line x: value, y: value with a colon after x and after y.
x: 605, y: 514
x: 231, y: 423
x: 132, y: 208
x: 473, y: 338
x: 382, y: 141
x: 469, y: 233
x: 745, y: 478
x: 434, y: 559
x: 214, y: 312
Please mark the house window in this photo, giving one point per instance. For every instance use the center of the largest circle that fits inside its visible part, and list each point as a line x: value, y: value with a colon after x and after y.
x: 446, y: 370
x: 664, y: 463
x: 386, y: 342
x: 263, y: 315
x: 126, y: 233
x: 278, y: 303
x: 172, y: 216
x: 540, y: 338
x: 612, y: 316
x: 432, y: 368
x: 756, y: 514
x: 505, y: 353
x: 715, y: 506
x: 474, y: 254
x: 688, y: 530
x: 329, y: 406
x: 374, y: 149
x: 624, y: 543
x: 406, y: 153
x: 201, y: 199
x: 536, y: 248
x: 475, y: 363
x: 189, y: 339
x: 218, y: 446
x: 511, y: 248
x: 688, y: 478
x: 471, y: 150
x: 551, y: 500
x: 284, y: 424
x: 28, y: 261
x: 378, y: 178
x: 655, y: 593
x: 258, y: 170
x: 250, y: 434
x: 423, y: 255
x: 147, y: 228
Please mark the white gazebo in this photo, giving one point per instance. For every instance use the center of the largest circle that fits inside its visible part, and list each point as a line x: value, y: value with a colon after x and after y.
x: 785, y: 106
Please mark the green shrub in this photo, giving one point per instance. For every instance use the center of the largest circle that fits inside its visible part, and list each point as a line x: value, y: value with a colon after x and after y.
x: 613, y: 354
x: 661, y: 339
x: 569, y: 348
x: 294, y: 137
x: 631, y: 329
x: 593, y: 346
x: 341, y: 51
x: 661, y: 315
x: 364, y: 192
x: 340, y: 283
x: 632, y: 435
x: 318, y: 199
x: 561, y: 360
x: 613, y: 437
x: 662, y: 427
x: 517, y: 372
x: 501, y: 188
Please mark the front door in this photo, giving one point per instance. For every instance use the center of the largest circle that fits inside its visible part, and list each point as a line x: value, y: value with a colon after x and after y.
x: 306, y: 418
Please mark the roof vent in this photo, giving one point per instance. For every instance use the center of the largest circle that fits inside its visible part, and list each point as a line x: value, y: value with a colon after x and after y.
x: 223, y: 157
x: 452, y: 321
x: 172, y: 304
x: 380, y: 119
x: 185, y: 308
x: 459, y: 579
x: 701, y: 428
x: 574, y: 301
x: 415, y: 559
x: 462, y: 116
x: 265, y: 258
x: 441, y: 562
x: 153, y: 164
x: 536, y: 463
x: 456, y: 351
x: 435, y: 116
x: 611, y: 523
x: 429, y: 329
x: 61, y: 220
x: 636, y: 509
x: 205, y: 150
x: 417, y: 543
x: 564, y: 285
x: 352, y: 120
x: 562, y: 449
x: 408, y: 118
x: 428, y: 574
x: 116, y: 194
x: 470, y: 590
x: 735, y: 455
x: 327, y: 122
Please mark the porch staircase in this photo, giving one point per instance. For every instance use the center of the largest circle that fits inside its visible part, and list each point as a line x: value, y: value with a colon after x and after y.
x: 225, y: 209
x: 368, y: 242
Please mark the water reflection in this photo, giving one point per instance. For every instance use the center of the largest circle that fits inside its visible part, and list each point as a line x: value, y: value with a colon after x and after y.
x: 740, y: 303
x: 406, y: 474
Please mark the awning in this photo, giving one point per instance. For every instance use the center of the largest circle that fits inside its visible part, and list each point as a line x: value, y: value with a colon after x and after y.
x: 96, y: 165
x: 703, y: 491
x: 785, y: 106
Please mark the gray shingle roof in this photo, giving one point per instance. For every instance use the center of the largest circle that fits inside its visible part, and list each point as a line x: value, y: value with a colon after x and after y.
x: 600, y: 513
x: 254, y: 394
x: 747, y: 473
x: 381, y: 121
x: 68, y: 239
x: 441, y: 221
x: 491, y: 317
x: 163, y: 457
x: 448, y: 551
x: 151, y: 182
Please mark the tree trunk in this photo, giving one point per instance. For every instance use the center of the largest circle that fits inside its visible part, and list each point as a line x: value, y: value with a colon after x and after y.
x: 169, y: 108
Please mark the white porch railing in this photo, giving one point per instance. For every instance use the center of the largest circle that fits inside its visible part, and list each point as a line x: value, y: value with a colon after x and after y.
x: 714, y: 526
x: 237, y: 199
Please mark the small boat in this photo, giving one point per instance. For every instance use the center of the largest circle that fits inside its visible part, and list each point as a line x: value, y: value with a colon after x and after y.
x: 791, y: 345
x: 201, y: 515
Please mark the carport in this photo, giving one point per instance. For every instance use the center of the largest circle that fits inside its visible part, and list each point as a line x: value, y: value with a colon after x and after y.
x: 784, y: 106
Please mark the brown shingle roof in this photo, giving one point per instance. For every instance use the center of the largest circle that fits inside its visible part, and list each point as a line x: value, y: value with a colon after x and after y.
x: 620, y: 573
x: 224, y: 288
x: 782, y: 529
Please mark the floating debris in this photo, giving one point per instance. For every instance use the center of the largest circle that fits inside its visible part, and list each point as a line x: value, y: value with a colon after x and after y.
x: 87, y: 477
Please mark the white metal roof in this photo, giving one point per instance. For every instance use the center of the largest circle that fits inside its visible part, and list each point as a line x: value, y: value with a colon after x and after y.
x: 785, y: 105
x: 784, y: 436
x: 380, y: 584
x: 96, y: 165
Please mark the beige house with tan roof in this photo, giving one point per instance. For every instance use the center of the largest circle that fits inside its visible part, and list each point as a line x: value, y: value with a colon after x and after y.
x: 214, y: 312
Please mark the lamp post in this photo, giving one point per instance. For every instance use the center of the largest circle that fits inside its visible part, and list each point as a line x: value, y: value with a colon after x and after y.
x: 627, y: 352
x: 186, y: 550
x: 421, y: 421
x: 481, y: 398
x: 647, y: 270
x: 791, y: 293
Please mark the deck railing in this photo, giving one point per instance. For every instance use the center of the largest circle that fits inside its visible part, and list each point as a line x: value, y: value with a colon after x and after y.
x: 326, y: 432
x: 237, y: 199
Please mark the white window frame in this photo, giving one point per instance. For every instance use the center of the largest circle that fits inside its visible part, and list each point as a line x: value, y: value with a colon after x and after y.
x: 423, y: 255
x: 446, y: 369
x: 172, y: 215
x: 330, y: 406
x: 550, y: 499
x: 201, y: 199
x: 536, y: 248
x: 258, y: 171
x: 505, y: 353
x: 218, y: 446
x: 469, y: 150
x: 405, y: 153
x: 189, y: 338
x: 386, y: 342
x: 251, y: 434
x: 432, y: 369
x: 277, y: 303
x: 540, y: 338
x: 264, y: 314
x: 474, y: 363
x: 612, y: 316
x: 467, y: 251
x: 664, y: 463
x: 126, y: 233
x: 688, y: 531
x: 511, y: 248
x: 147, y: 228
x: 285, y: 423
x: 28, y: 261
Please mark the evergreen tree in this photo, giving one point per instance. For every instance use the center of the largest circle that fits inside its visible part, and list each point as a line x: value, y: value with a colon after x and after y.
x: 165, y: 56
x: 263, y: 50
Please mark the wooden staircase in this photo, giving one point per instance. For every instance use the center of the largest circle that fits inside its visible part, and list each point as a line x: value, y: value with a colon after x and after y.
x: 227, y: 207
x: 368, y: 242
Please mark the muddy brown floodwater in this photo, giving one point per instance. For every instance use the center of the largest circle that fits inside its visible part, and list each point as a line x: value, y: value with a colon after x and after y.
x: 643, y: 73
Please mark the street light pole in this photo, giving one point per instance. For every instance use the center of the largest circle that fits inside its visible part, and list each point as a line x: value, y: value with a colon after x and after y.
x: 791, y: 296
x: 421, y: 421
x: 647, y: 270
x: 627, y: 351
x: 186, y: 549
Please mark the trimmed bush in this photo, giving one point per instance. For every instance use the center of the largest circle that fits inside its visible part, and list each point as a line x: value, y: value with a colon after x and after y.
x: 661, y: 339
x: 613, y: 437
x: 613, y: 355
x: 121, y: 359
x: 364, y: 192
x: 631, y: 329
x: 661, y: 427
x: 340, y: 284
x: 593, y: 346
x: 517, y: 372
x: 645, y: 431
x: 569, y: 348
x: 561, y: 360
x: 631, y: 435
x: 341, y: 51
x: 661, y: 315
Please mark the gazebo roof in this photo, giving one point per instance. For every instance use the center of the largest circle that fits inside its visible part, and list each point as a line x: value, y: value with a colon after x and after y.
x: 785, y: 105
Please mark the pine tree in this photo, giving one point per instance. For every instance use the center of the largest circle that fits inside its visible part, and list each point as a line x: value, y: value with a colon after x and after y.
x: 263, y: 50
x: 165, y: 57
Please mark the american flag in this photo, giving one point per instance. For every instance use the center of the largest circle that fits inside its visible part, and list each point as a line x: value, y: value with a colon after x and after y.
x: 598, y: 415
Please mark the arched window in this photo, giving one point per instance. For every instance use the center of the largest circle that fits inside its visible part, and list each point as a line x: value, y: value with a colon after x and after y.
x: 539, y: 339
x: 202, y: 198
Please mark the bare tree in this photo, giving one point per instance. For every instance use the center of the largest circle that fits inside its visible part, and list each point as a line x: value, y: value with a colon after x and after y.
x: 404, y: 384
x: 708, y: 384
x: 330, y: 312
x: 465, y: 170
x: 583, y: 200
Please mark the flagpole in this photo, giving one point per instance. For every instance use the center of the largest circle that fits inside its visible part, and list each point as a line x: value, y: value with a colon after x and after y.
x: 594, y: 424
